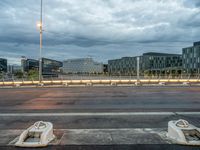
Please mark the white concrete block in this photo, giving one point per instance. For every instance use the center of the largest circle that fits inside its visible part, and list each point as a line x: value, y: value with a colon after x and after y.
x: 181, y: 132
x: 38, y: 135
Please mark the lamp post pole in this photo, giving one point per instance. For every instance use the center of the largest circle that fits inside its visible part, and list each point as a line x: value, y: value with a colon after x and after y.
x: 40, y: 59
x: 138, y: 69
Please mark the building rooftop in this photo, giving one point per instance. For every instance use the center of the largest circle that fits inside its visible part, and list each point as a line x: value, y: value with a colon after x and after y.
x: 80, y: 59
x: 197, y: 43
x: 3, y: 59
x: 194, y: 44
x: 160, y: 54
x: 126, y: 57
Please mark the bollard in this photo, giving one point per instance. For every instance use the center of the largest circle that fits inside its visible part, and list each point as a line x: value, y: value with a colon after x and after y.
x: 181, y: 132
x: 38, y: 135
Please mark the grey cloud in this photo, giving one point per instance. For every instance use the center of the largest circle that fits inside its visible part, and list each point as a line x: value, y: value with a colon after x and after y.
x: 103, y: 28
x: 192, y: 3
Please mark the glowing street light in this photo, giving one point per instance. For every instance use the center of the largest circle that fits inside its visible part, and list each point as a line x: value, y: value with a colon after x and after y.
x: 39, y: 25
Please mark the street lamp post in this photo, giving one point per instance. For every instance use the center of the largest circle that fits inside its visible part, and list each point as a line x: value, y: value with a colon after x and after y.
x: 138, y: 69
x: 40, y: 59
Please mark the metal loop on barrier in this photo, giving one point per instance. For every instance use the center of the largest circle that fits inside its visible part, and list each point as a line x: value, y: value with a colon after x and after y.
x: 182, y: 123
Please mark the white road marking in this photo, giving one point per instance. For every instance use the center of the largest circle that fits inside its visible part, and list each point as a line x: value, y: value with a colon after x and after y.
x: 188, y: 113
x: 97, y: 114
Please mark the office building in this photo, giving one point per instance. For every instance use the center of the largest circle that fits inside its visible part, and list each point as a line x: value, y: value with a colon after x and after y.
x: 123, y: 66
x: 29, y: 64
x: 150, y: 64
x: 50, y: 67
x: 161, y: 64
x: 3, y: 65
x: 82, y: 66
x: 105, y: 68
x: 14, y: 68
x: 191, y: 59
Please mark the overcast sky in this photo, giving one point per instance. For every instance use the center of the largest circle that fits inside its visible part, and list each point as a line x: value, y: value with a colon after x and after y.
x: 102, y: 29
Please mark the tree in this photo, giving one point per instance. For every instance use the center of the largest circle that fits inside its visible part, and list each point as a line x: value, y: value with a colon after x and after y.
x: 33, y: 75
x: 19, y: 74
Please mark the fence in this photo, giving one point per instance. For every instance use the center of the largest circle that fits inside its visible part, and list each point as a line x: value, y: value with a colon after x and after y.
x: 90, y: 80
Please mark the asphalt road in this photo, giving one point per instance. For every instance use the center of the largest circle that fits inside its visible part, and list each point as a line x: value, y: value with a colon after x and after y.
x: 116, y: 100
x: 100, y: 99
x: 100, y: 108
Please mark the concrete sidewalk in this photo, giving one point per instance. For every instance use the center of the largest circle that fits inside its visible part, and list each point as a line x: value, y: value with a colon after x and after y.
x: 96, y: 136
x: 105, y: 139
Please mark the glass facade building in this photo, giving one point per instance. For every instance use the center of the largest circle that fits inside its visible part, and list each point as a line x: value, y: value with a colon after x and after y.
x: 29, y: 64
x: 14, y: 68
x: 123, y: 66
x: 49, y: 67
x: 161, y: 63
x: 191, y: 59
x: 150, y: 63
x: 3, y: 65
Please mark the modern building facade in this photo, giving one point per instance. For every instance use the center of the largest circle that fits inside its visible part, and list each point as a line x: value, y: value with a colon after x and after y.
x: 29, y: 64
x: 50, y: 67
x: 82, y: 66
x: 14, y: 68
x: 191, y: 59
x: 123, y: 66
x: 161, y: 64
x: 105, y: 68
x: 3, y: 65
x: 149, y: 64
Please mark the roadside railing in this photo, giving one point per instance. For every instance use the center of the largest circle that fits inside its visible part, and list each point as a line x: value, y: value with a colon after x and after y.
x: 101, y: 80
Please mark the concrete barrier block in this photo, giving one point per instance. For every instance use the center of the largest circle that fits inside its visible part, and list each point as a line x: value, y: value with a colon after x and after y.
x: 38, y: 135
x: 181, y: 132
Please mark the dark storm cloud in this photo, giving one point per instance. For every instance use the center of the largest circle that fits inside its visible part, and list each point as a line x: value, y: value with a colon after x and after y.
x: 104, y: 28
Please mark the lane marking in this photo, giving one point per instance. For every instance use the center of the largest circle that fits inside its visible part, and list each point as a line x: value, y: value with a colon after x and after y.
x: 97, y: 114
x: 188, y: 113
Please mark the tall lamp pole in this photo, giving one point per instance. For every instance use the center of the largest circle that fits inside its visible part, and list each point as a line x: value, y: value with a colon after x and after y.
x: 138, y: 69
x: 40, y: 59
